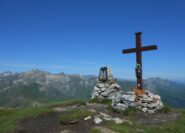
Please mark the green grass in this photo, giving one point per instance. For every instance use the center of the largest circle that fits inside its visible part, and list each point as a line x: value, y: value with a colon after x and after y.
x: 101, y: 101
x: 173, y: 127
x: 74, y: 115
x: 177, y: 126
x: 66, y: 103
x: 95, y: 130
x: 9, y: 118
x: 121, y: 128
x: 5, y: 112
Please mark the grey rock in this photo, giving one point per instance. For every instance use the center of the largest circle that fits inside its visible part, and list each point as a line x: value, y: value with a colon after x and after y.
x: 151, y: 111
x: 116, y: 96
x: 131, y: 104
x: 115, y: 86
x: 87, y: 118
x: 108, y: 92
x: 156, y: 97
x: 120, y: 106
x: 107, y: 85
x: 100, y: 85
x: 131, y: 93
x: 104, y: 115
x: 149, y: 94
x: 98, y: 120
x: 147, y: 99
x: 151, y: 105
x: 118, y: 120
x: 103, y: 89
x: 144, y: 109
x: 96, y: 88
x: 143, y: 104
x: 94, y: 94
x: 128, y: 98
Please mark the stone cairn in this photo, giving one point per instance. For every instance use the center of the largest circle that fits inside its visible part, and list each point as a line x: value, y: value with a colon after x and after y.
x: 147, y: 103
x: 107, y: 88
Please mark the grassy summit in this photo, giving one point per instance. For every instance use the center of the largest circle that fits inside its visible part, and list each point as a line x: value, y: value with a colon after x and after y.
x: 47, y: 119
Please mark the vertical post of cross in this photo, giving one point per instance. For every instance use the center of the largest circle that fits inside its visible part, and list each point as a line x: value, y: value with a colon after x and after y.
x: 139, y: 89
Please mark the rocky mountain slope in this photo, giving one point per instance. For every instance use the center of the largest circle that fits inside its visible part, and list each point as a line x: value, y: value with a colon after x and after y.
x: 36, y: 87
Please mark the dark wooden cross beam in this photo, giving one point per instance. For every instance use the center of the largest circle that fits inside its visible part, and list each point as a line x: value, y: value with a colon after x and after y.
x: 138, y: 50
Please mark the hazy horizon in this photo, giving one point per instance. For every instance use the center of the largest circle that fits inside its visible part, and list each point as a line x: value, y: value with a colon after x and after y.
x: 181, y: 81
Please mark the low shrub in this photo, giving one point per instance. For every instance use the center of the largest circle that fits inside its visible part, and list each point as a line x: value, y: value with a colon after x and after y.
x: 166, y: 109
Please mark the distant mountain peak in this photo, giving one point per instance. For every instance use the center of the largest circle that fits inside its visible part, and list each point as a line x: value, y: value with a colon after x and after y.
x: 6, y: 73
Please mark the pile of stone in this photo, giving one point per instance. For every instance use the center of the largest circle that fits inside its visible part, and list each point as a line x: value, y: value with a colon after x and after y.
x: 106, y: 87
x: 147, y: 103
x: 106, y: 90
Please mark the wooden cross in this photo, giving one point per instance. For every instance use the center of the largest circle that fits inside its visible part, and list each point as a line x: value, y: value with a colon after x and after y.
x: 138, y: 50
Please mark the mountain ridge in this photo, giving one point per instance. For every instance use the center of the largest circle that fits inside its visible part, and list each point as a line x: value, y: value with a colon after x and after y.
x: 35, y: 87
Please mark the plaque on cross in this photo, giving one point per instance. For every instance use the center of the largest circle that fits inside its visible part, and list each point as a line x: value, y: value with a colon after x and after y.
x: 138, y: 50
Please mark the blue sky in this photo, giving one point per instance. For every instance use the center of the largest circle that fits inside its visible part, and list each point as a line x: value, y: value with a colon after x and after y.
x: 80, y: 36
